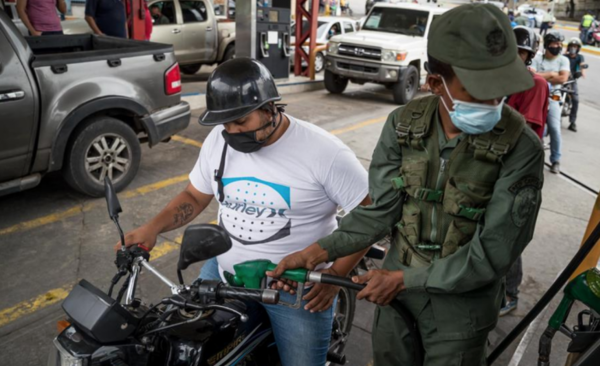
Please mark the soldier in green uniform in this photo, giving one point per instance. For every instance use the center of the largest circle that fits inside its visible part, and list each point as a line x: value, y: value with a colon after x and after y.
x: 456, y: 179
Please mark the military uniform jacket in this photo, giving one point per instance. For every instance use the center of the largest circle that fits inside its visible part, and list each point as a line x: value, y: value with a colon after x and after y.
x: 463, y: 256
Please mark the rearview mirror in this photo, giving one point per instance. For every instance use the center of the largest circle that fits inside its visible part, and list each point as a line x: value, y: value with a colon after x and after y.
x: 202, y: 242
x: 585, y: 66
x: 112, y: 201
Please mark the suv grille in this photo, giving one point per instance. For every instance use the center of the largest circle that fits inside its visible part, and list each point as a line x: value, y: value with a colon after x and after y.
x: 360, y: 52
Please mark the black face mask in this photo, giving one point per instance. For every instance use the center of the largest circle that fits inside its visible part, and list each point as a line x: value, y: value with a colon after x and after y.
x: 554, y: 50
x: 246, y: 142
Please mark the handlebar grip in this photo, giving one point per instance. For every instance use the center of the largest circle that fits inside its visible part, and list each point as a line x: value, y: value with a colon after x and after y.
x: 265, y: 296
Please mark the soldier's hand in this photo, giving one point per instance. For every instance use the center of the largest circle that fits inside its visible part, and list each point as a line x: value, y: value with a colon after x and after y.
x: 143, y: 235
x: 308, y: 258
x: 382, y: 285
x: 321, y: 296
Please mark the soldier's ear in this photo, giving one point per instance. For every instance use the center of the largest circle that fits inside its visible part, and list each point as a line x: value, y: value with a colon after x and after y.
x: 435, y: 84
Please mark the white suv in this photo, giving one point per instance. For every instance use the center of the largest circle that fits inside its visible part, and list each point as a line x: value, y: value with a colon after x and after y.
x: 390, y: 49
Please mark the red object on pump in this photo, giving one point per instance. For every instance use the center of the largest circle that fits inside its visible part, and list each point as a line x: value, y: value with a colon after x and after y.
x: 137, y: 11
x: 173, y: 80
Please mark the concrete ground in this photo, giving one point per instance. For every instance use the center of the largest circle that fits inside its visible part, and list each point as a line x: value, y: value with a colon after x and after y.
x: 51, y: 236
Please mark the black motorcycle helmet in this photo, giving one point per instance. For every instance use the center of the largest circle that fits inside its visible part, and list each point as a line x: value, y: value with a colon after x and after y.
x: 527, y: 40
x: 553, y: 36
x: 235, y: 89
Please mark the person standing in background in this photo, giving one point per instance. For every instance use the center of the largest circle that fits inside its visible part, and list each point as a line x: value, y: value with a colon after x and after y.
x: 533, y: 105
x: 546, y: 20
x: 578, y: 67
x: 107, y: 17
x: 39, y: 16
x: 555, y: 68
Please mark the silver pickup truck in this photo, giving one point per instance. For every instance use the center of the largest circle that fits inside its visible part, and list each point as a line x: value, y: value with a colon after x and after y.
x: 83, y: 104
x: 197, y: 36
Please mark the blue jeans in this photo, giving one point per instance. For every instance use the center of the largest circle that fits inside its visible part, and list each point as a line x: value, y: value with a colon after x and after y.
x: 302, y: 337
x: 553, y: 123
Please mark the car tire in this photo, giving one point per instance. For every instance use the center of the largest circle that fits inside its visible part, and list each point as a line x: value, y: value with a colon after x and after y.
x: 319, y: 62
x: 335, y: 84
x: 408, y: 85
x: 229, y: 53
x: 190, y: 69
x: 103, y: 146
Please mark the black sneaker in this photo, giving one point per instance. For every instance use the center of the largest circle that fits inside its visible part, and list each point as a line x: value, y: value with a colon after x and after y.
x: 573, y: 127
x: 555, y: 168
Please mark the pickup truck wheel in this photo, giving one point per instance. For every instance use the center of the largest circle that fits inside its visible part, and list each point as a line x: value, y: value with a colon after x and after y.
x: 319, y: 62
x: 103, y: 147
x: 190, y: 69
x: 229, y: 53
x: 406, y: 88
x: 335, y: 84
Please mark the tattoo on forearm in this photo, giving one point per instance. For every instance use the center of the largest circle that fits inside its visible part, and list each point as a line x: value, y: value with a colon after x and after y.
x: 184, y: 212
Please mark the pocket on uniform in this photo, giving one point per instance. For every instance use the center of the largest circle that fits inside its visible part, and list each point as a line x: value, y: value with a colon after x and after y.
x: 455, y: 238
x: 452, y: 317
x: 466, y: 199
x: 410, y: 224
x: 414, y: 174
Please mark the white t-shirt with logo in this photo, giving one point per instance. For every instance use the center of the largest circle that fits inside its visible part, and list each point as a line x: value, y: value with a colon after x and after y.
x: 284, y: 197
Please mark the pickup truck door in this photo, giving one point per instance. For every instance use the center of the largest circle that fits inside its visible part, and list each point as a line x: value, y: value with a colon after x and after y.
x: 17, y: 114
x: 166, y: 27
x: 200, y: 30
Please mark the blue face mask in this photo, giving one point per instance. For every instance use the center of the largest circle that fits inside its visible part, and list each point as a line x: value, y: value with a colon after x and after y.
x: 473, y: 118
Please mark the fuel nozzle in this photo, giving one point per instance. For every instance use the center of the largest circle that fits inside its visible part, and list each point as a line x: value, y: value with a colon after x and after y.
x: 251, y: 275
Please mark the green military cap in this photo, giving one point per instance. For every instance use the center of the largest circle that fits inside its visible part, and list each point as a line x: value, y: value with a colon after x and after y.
x: 478, y: 42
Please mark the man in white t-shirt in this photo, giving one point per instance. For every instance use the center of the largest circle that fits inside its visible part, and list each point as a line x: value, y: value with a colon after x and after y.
x: 555, y: 68
x: 279, y: 182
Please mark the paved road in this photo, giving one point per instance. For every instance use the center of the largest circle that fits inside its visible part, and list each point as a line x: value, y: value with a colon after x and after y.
x: 51, y: 236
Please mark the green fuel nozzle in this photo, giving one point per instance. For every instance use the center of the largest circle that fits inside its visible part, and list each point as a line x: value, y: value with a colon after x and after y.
x: 251, y: 274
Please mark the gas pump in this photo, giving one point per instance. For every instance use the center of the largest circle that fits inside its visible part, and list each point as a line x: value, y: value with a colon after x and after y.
x: 263, y: 33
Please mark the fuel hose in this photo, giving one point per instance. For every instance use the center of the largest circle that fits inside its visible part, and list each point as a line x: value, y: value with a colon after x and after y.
x: 558, y: 284
x: 409, y: 320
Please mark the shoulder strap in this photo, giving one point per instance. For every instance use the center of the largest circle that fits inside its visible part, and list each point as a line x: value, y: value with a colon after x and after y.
x: 415, y: 121
x: 494, y: 145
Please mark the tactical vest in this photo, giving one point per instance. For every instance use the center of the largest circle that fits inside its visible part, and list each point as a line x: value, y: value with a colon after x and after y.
x: 445, y: 199
x: 587, y: 21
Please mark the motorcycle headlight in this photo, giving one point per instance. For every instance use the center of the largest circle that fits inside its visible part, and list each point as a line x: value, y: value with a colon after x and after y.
x: 64, y: 358
x: 332, y: 47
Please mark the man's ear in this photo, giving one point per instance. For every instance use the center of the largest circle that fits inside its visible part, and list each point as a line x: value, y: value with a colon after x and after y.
x: 435, y: 84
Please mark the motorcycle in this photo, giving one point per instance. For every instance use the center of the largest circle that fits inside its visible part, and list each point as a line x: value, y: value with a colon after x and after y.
x: 564, y: 94
x: 203, y: 324
x: 592, y: 38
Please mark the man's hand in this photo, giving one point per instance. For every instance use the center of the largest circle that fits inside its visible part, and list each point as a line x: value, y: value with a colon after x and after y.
x: 285, y: 285
x: 382, y: 285
x: 321, y: 296
x: 308, y: 258
x: 142, y: 236
x: 36, y: 33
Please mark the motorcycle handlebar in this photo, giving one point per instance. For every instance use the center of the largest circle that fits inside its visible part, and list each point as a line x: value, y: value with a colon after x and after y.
x: 266, y: 296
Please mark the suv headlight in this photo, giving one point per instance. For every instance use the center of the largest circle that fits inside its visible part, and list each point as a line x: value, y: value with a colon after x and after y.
x: 332, y: 47
x: 64, y: 358
x: 393, y: 56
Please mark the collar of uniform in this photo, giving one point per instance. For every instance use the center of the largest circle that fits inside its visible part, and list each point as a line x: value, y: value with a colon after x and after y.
x: 446, y: 146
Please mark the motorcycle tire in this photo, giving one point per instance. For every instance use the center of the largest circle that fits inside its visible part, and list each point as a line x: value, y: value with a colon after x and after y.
x: 566, y: 108
x: 343, y: 318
